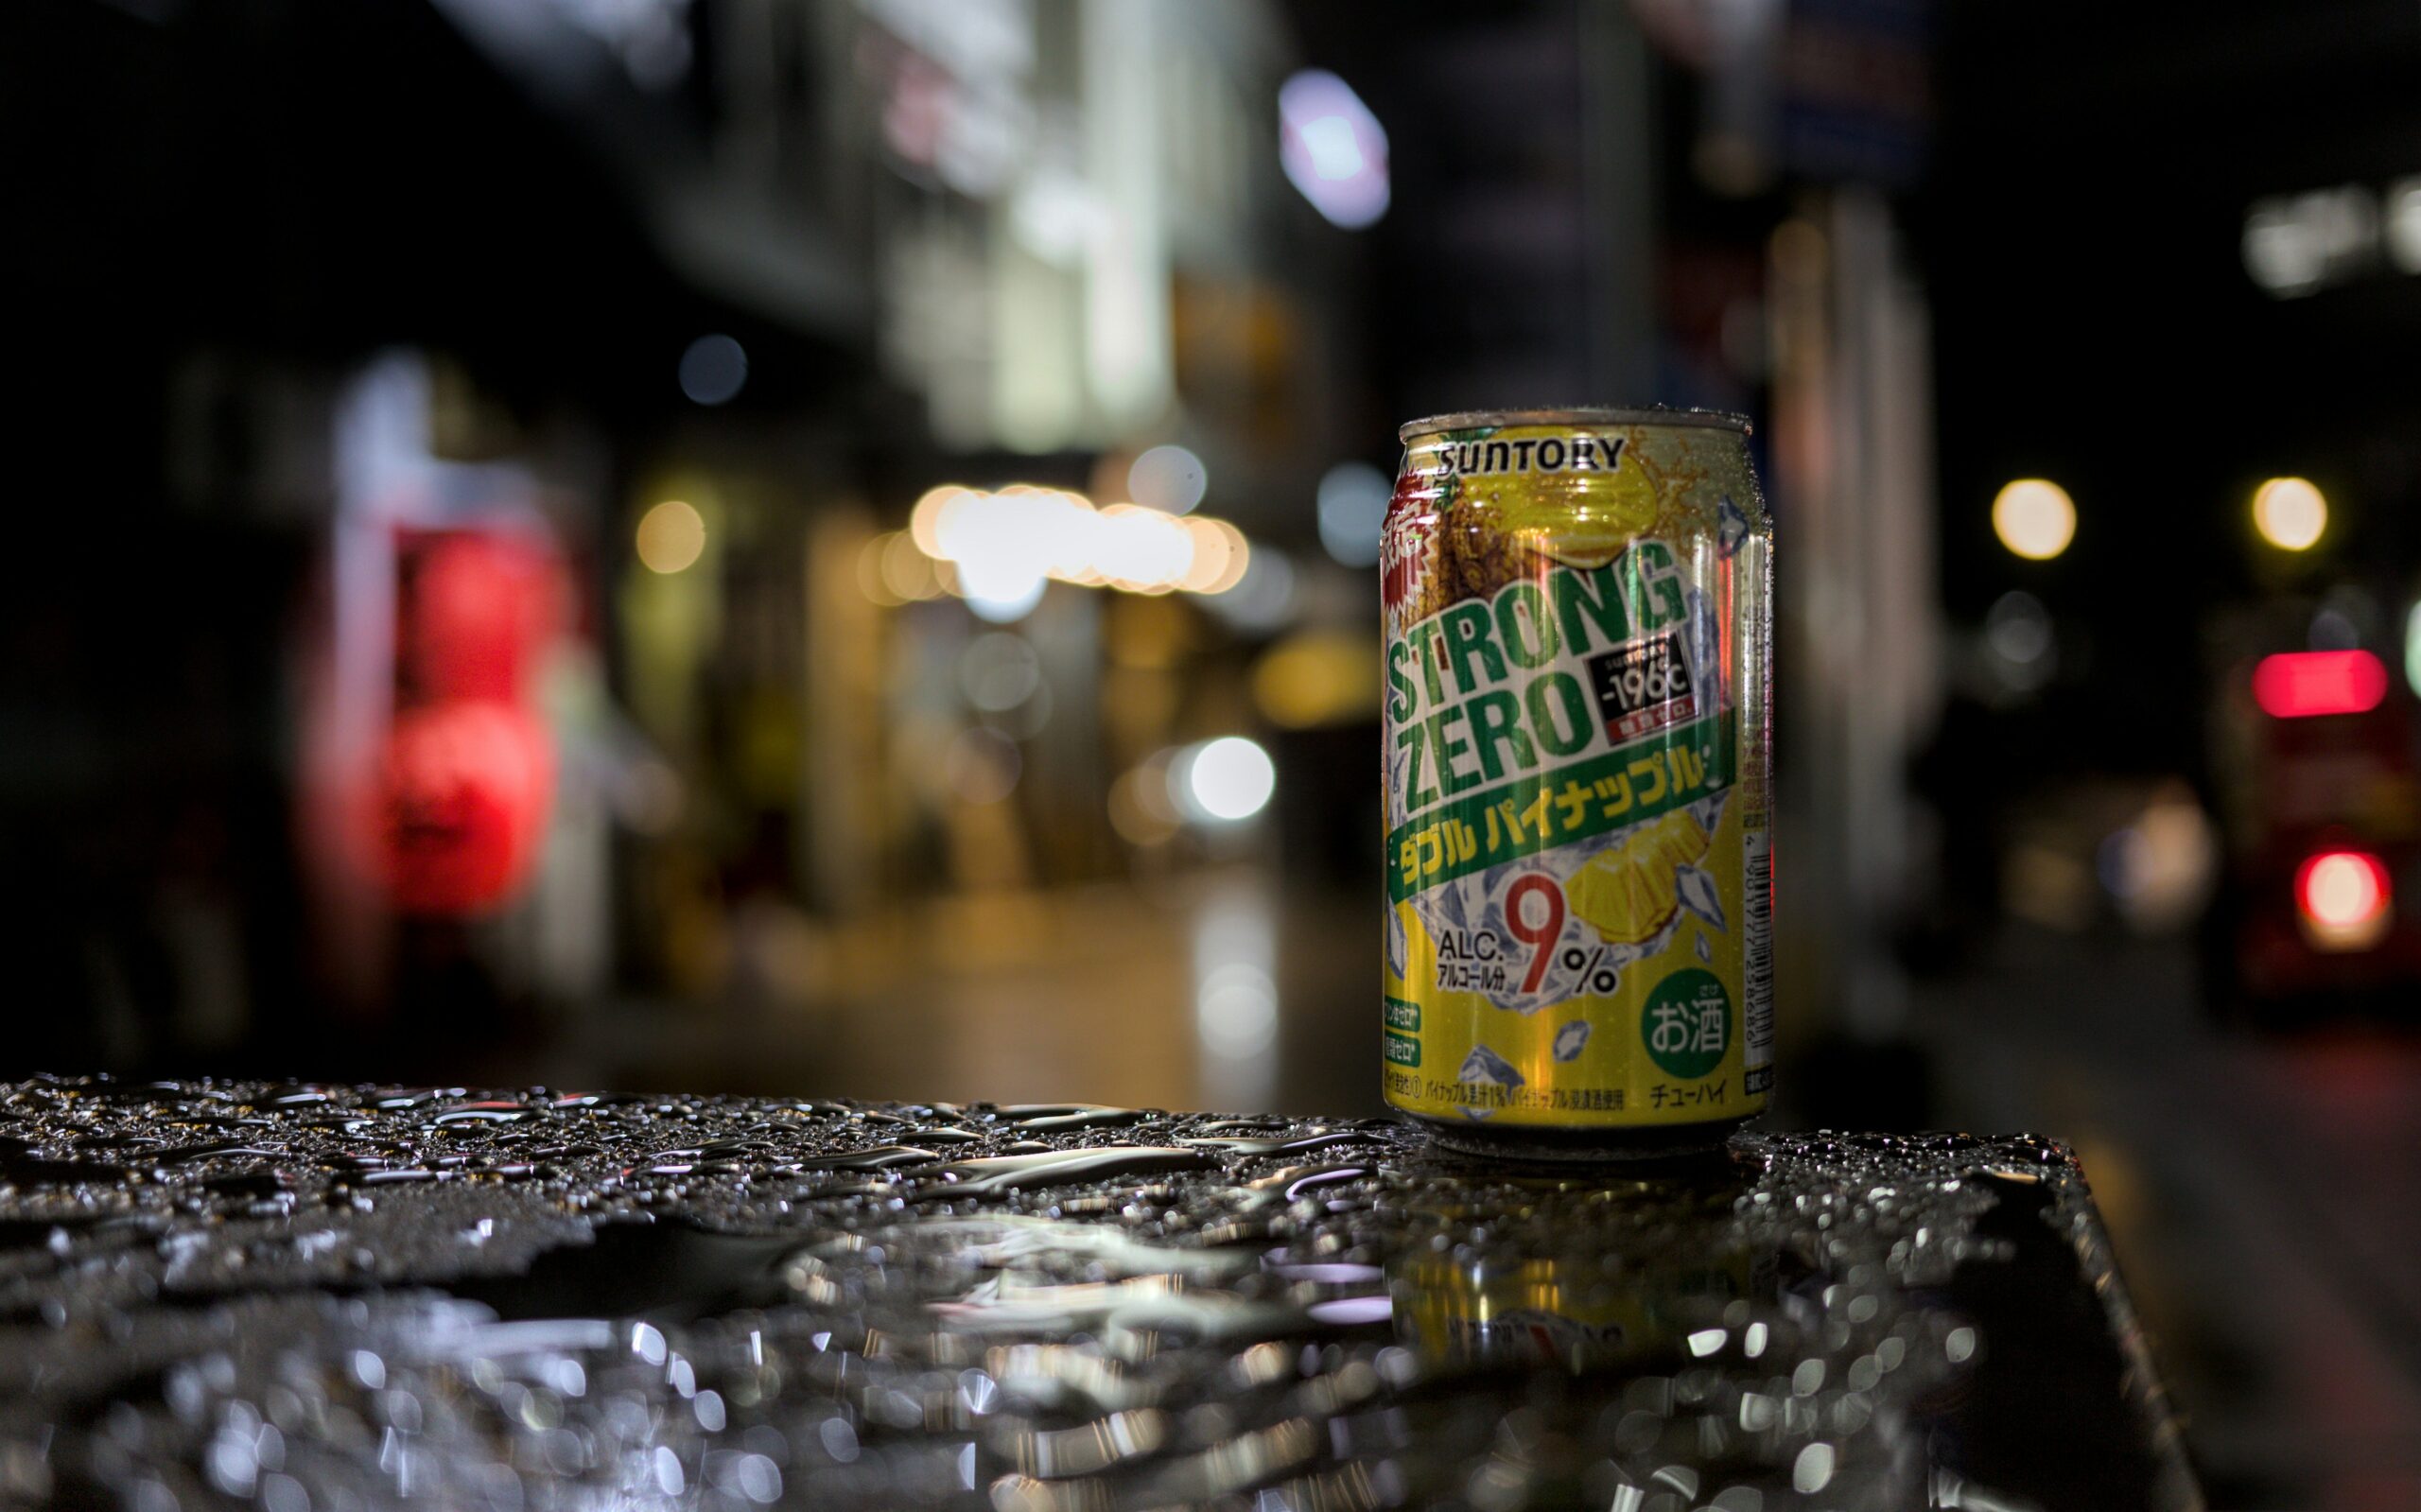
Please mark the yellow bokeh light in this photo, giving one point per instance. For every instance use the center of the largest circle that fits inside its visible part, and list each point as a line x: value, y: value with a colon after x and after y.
x: 1318, y: 677
x: 2035, y: 518
x: 1238, y: 558
x: 1212, y: 547
x: 670, y: 537
x: 1138, y: 805
x: 925, y: 520
x: 906, y: 571
x: 1024, y: 532
x: 870, y: 570
x: 2290, y: 512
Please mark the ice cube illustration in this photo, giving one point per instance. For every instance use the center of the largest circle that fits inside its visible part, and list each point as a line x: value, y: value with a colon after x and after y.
x: 1709, y: 811
x: 1698, y: 895
x: 1571, y: 1040
x: 1703, y: 629
x: 1443, y: 908
x: 1706, y: 951
x: 1398, y: 949
x: 1732, y: 527
x: 1485, y: 1065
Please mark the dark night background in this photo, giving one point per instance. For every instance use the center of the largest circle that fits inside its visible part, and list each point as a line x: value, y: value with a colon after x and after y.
x: 808, y: 823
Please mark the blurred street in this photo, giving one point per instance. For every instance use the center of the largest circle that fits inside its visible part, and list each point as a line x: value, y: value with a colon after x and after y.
x: 2264, y: 1193
x: 861, y: 550
x: 2263, y: 1190
x: 1216, y: 991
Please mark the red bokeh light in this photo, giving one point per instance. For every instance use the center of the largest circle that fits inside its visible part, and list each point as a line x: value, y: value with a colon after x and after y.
x: 476, y: 610
x: 2299, y: 684
x: 462, y: 805
x: 2342, y: 889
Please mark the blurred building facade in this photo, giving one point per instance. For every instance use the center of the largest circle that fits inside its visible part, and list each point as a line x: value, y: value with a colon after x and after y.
x: 655, y: 320
x: 781, y: 360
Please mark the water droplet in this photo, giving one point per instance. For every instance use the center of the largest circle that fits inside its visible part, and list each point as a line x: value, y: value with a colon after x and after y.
x: 1054, y: 1116
x: 1049, y: 1168
x: 1277, y: 1144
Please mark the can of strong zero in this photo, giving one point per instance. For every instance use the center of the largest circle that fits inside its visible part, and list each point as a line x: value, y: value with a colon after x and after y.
x: 1577, y: 685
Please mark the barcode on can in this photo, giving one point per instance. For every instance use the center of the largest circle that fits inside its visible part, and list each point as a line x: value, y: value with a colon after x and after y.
x: 1757, y: 976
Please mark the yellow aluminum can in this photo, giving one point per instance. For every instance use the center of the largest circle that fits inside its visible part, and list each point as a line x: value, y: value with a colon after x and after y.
x: 1579, y: 665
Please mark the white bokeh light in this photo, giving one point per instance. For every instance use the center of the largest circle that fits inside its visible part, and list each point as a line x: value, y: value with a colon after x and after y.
x: 1223, y: 780
x: 2034, y: 518
x: 2291, y: 513
x: 1333, y: 148
x: 1168, y: 478
x: 1352, y: 506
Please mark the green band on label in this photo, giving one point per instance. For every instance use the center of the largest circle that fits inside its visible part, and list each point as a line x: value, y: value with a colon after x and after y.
x: 1650, y: 776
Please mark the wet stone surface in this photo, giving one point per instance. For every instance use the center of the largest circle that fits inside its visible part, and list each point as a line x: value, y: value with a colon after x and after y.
x: 298, y: 1297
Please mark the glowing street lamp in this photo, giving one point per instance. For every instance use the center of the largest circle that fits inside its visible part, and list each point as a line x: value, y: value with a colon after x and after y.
x: 670, y: 537
x: 2291, y: 513
x: 2035, y: 518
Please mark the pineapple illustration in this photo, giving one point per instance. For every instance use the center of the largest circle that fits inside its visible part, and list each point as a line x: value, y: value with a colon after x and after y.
x: 1628, y: 893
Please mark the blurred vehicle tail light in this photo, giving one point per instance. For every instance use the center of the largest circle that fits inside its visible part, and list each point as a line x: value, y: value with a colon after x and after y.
x: 2344, y: 900
x: 2299, y: 684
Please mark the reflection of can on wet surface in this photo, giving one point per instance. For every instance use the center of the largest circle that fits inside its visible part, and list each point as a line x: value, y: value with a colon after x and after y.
x: 1579, y: 931
x: 1561, y: 1314
x: 1548, y: 1272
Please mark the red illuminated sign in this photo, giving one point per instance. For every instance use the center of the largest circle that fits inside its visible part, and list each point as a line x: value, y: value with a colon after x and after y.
x: 2299, y: 684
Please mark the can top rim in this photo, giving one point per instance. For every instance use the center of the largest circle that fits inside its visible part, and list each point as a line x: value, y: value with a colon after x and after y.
x: 1576, y: 415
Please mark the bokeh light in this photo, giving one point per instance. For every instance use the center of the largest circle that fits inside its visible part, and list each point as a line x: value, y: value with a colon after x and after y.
x: 1000, y: 548
x: 870, y: 580
x: 1333, y: 148
x: 670, y: 537
x: 713, y: 370
x: 1223, y: 780
x: 1317, y: 677
x: 2315, y: 683
x: 1236, y: 1012
x: 2342, y: 887
x: 983, y: 766
x: 1141, y: 549
x: 1168, y: 478
x: 1353, y: 506
x: 907, y: 572
x: 2344, y: 900
x: 1220, y: 557
x: 2291, y: 513
x: 1264, y: 598
x: 925, y: 520
x: 1141, y: 806
x: 2034, y: 517
x: 1001, y: 592
x: 999, y: 671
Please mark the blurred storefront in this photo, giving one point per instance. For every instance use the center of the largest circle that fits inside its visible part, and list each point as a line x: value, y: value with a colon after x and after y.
x: 602, y: 668
x: 941, y: 447
x: 928, y: 700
